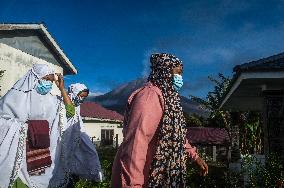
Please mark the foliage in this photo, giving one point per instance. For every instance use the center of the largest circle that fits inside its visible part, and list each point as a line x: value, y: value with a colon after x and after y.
x: 247, y: 122
x: 253, y: 174
x: 217, y: 117
x: 262, y: 175
x: 219, y: 176
x: 251, y: 137
x: 193, y: 120
x: 106, y: 155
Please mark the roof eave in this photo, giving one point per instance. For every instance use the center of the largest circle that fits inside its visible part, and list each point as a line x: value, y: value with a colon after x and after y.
x: 101, y: 119
x: 69, y: 65
x: 243, y: 75
x: 41, y: 28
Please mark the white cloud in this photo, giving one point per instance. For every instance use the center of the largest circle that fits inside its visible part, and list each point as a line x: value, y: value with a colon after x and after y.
x: 94, y: 94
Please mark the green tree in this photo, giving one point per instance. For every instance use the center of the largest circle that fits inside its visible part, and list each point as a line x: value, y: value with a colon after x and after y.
x: 217, y: 117
x: 194, y: 120
x: 251, y: 138
x: 247, y: 122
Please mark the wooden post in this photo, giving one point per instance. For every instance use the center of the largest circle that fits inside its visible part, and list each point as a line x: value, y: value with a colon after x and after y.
x: 235, y: 142
x: 214, y: 153
x: 116, y: 141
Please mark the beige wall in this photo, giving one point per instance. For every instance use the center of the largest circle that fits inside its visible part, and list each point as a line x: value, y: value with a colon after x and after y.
x: 93, y: 128
x: 16, y: 63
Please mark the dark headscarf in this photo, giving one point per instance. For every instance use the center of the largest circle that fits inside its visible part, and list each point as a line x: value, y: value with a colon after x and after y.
x: 168, y: 168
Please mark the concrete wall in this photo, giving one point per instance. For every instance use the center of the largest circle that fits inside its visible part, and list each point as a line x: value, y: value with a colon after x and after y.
x: 93, y: 128
x: 16, y: 64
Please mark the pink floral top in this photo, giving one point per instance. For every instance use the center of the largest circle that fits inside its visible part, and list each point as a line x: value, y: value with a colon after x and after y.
x: 133, y: 159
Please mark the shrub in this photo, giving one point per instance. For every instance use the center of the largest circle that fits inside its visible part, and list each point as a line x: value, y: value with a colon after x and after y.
x: 106, y: 155
x: 262, y: 175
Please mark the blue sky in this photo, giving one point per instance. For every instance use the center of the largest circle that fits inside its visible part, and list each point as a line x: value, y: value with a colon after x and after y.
x: 109, y: 42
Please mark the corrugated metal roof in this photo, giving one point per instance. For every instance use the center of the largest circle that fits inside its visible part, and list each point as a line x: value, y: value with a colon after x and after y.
x: 271, y: 63
x: 94, y: 110
x: 208, y: 136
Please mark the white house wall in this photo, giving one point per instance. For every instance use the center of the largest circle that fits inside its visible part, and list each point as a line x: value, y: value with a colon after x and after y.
x: 16, y: 63
x: 93, y: 129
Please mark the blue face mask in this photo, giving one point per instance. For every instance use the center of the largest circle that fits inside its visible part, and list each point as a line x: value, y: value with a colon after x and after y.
x: 78, y: 100
x: 43, y: 87
x: 177, y: 82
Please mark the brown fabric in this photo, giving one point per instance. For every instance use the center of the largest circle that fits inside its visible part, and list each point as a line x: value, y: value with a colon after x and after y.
x: 38, y: 133
x: 37, y: 147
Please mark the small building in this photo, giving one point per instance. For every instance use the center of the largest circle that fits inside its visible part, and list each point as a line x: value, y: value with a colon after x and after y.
x: 211, y: 142
x: 259, y: 86
x: 22, y: 45
x: 103, y: 126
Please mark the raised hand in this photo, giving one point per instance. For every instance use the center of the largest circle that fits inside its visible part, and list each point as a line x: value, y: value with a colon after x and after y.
x: 202, y: 166
x: 60, y: 81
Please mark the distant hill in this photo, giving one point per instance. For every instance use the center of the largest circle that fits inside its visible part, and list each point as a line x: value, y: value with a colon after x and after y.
x: 117, y: 99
